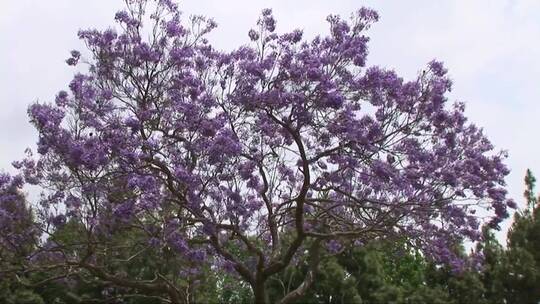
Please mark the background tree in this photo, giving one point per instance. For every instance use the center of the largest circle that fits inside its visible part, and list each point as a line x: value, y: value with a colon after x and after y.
x: 378, y: 272
x: 18, y: 236
x: 166, y: 147
x: 523, y: 254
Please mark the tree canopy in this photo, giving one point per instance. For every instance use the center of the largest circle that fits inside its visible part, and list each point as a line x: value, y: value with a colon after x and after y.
x: 169, y: 153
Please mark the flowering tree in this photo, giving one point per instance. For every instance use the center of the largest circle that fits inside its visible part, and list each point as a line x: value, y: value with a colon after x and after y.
x: 18, y: 234
x: 245, y: 160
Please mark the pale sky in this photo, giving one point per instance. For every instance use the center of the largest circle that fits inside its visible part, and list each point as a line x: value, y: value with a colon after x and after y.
x: 491, y: 48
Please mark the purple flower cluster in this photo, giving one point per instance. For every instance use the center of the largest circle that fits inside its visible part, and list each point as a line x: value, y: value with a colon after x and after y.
x: 199, y: 149
x: 18, y: 230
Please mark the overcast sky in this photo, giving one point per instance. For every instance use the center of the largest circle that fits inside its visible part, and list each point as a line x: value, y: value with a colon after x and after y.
x: 491, y: 47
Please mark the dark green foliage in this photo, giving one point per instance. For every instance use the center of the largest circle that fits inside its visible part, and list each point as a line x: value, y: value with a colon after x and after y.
x: 494, y: 268
x: 13, y: 293
x: 379, y: 272
x: 333, y: 285
x: 523, y: 254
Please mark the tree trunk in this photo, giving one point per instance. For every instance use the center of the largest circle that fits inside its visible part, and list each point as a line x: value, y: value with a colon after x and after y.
x: 259, y: 293
x: 314, y: 260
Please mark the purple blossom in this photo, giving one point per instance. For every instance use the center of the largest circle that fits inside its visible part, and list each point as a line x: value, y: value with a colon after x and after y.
x: 46, y: 117
x: 437, y: 68
x: 124, y: 17
x: 61, y: 99
x: 200, y: 150
x: 177, y: 243
x: 224, y: 145
x: 334, y: 246
x: 174, y: 28
x: 58, y: 220
x: 267, y: 20
x: 253, y: 35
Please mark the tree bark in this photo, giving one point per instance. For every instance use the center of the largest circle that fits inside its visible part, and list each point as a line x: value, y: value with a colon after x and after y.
x: 314, y: 259
x: 259, y: 292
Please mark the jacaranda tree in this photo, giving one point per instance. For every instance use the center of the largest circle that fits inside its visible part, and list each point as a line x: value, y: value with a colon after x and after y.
x: 169, y: 150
